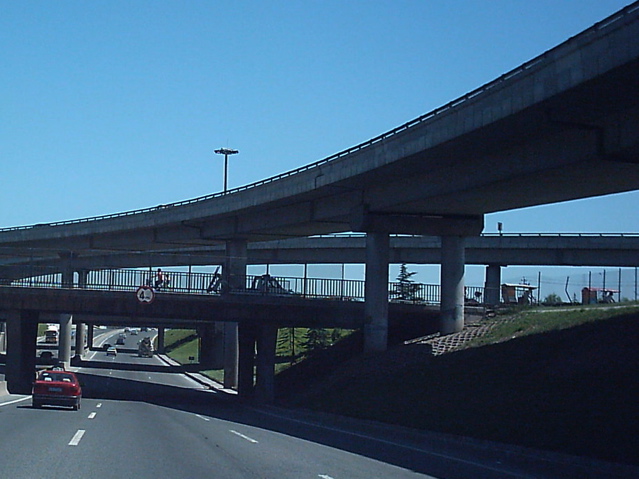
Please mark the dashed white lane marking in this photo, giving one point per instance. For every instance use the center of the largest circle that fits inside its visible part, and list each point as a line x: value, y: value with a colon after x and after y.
x: 324, y: 476
x: 202, y: 417
x: 76, y: 438
x: 244, y: 437
x: 99, y: 404
x: 92, y: 415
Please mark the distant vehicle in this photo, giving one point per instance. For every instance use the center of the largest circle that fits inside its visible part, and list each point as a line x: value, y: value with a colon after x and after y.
x: 112, y: 351
x: 57, y: 387
x: 46, y: 356
x: 51, y: 336
x: 120, y: 340
x: 126, y: 330
x: 134, y: 332
x: 145, y: 348
x: 267, y: 284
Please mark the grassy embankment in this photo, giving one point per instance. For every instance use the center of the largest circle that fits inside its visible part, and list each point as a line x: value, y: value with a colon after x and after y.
x: 562, y: 380
x: 183, y: 344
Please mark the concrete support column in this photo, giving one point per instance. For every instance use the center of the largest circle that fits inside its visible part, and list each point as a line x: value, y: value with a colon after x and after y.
x: 452, y: 284
x: 90, y: 334
x: 211, y: 345
x: 3, y: 336
x: 160, y: 347
x: 492, y: 286
x: 247, y: 338
x: 64, y: 334
x: 80, y: 335
x: 80, y: 328
x: 234, y: 274
x: 266, y: 348
x: 22, y: 331
x: 376, y: 292
x: 64, y: 340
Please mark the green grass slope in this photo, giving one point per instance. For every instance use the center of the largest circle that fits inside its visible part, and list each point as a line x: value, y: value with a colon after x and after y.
x: 567, y: 382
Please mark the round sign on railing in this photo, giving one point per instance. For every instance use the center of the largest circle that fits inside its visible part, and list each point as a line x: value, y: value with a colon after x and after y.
x: 145, y: 294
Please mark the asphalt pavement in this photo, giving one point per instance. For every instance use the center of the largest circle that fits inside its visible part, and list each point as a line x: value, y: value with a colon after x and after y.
x: 143, y: 418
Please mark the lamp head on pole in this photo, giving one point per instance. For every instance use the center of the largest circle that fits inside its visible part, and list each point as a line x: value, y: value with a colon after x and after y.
x: 226, y: 151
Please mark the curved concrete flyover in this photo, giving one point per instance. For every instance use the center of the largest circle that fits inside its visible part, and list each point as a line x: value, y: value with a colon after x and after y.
x: 541, y: 133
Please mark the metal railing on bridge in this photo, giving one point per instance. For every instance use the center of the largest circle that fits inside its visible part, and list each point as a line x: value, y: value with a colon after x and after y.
x: 179, y: 282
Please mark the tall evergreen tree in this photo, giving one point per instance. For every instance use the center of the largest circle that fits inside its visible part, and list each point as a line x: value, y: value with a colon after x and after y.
x: 405, y: 289
x: 316, y: 338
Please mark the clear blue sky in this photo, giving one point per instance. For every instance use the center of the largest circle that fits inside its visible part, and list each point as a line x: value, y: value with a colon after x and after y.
x: 109, y: 105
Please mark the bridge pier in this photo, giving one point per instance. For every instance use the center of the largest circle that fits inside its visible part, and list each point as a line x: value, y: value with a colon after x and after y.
x: 64, y: 340
x: 22, y: 331
x: 160, y: 348
x: 80, y: 334
x: 234, y: 274
x: 65, y: 320
x: 90, y: 331
x: 376, y: 292
x: 452, y: 284
x: 211, y: 345
x: 80, y: 328
x: 257, y: 345
x: 451, y: 229
x: 265, y: 370
x: 247, y: 338
x: 492, y: 285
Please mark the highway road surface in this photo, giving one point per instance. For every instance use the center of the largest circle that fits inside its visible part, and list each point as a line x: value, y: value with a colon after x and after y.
x: 141, y: 418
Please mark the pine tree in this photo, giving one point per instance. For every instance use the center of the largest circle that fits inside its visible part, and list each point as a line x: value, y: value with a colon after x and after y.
x: 405, y: 289
x: 288, y: 340
x: 316, y: 338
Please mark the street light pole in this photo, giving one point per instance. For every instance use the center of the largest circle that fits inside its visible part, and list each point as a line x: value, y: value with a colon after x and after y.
x: 226, y: 152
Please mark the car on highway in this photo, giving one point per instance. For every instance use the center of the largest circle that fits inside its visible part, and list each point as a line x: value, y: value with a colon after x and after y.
x: 112, y: 351
x: 121, y: 339
x: 57, y: 387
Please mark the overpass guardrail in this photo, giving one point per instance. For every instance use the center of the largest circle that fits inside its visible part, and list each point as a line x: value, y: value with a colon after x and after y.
x: 179, y: 282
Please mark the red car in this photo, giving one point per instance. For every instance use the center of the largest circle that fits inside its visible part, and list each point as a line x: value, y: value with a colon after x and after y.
x: 57, y: 388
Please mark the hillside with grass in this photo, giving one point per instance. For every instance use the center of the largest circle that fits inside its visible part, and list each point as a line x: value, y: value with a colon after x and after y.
x: 560, y: 380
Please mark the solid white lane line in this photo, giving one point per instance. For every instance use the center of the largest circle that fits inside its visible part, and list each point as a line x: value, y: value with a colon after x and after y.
x: 404, y: 446
x: 14, y: 401
x: 92, y: 415
x: 76, y: 438
x: 243, y: 436
x: 202, y: 417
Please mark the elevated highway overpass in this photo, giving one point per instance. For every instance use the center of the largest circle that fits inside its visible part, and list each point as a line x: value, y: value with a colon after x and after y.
x: 524, y: 249
x: 493, y: 251
x: 559, y: 127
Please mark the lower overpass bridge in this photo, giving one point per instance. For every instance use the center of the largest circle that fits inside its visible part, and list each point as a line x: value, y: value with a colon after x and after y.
x: 248, y: 317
